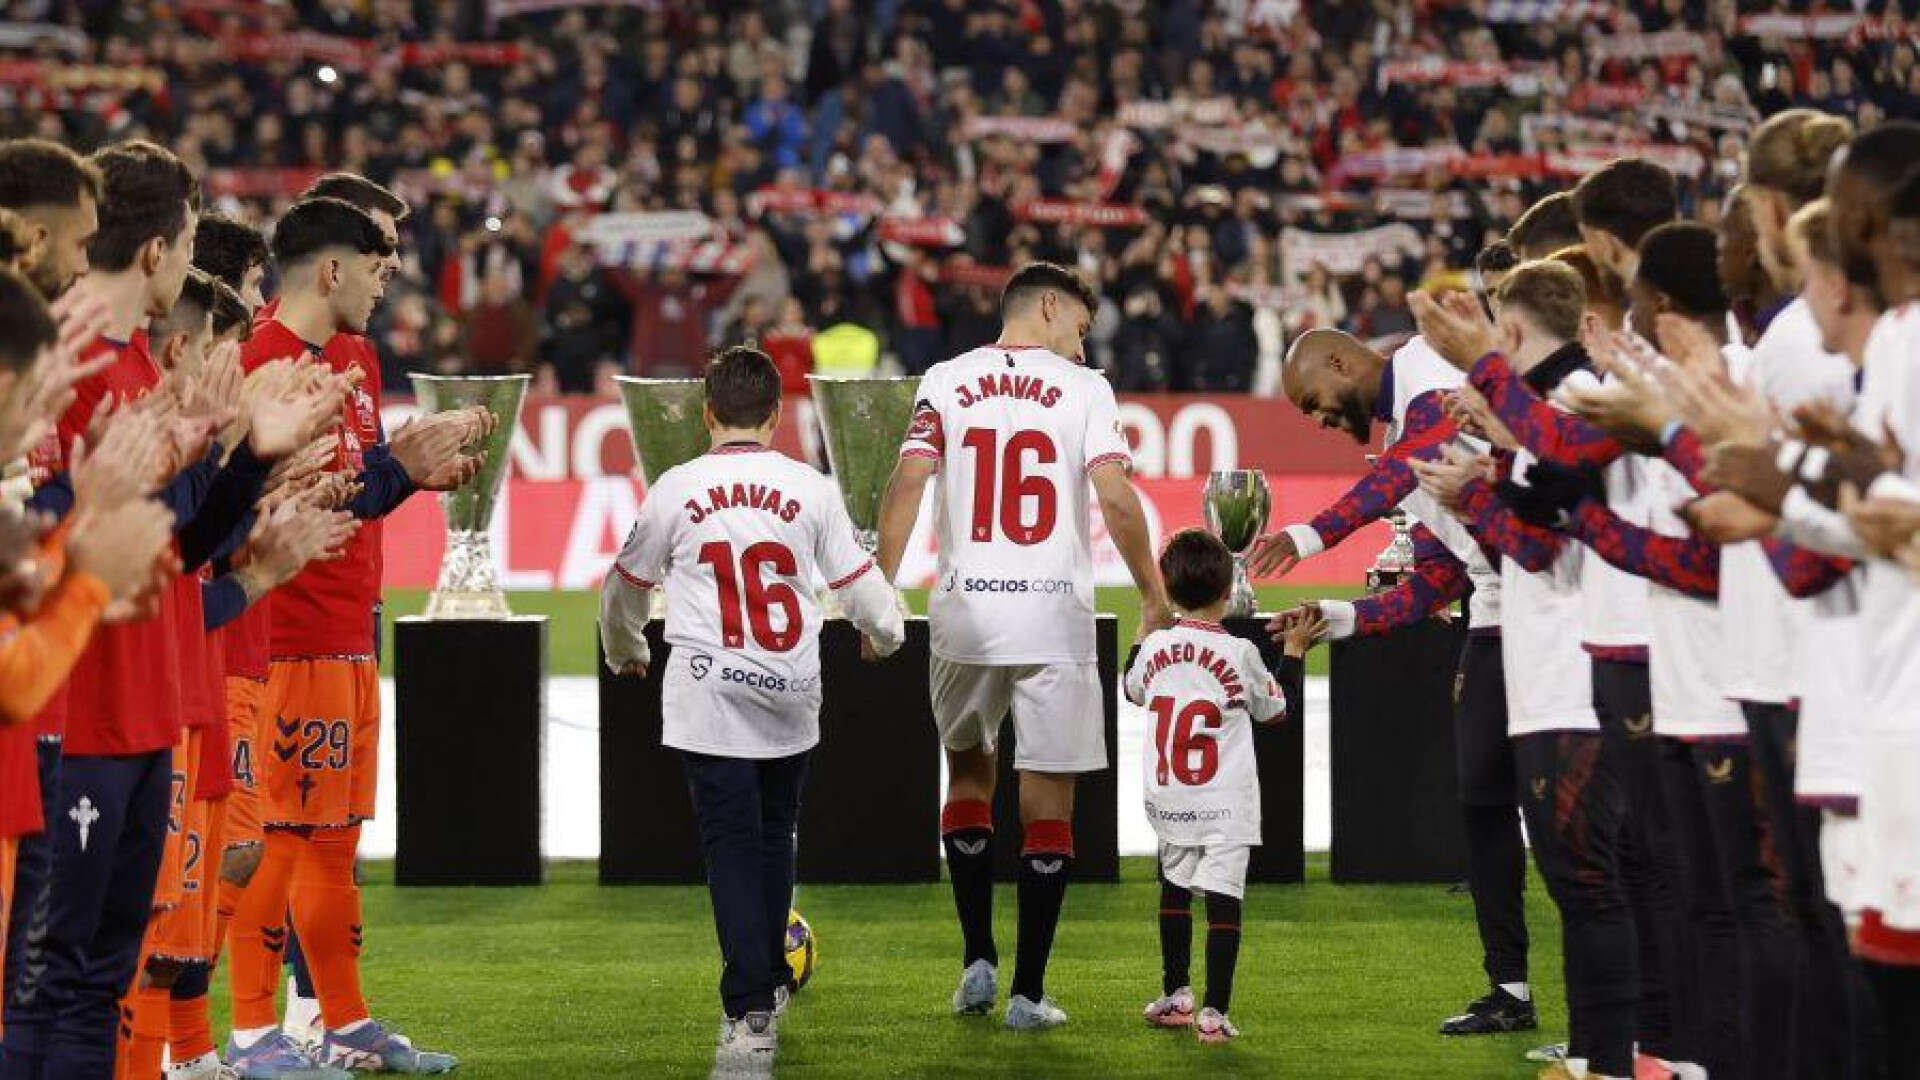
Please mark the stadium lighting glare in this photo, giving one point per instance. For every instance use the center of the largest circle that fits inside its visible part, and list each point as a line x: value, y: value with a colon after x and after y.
x: 328, y: 75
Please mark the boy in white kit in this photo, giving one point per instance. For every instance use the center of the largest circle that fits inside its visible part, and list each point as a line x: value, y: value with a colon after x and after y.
x: 740, y: 536
x: 1022, y: 436
x: 1205, y: 688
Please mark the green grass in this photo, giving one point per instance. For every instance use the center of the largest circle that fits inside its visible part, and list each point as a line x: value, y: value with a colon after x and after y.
x: 577, y: 981
x: 570, y: 631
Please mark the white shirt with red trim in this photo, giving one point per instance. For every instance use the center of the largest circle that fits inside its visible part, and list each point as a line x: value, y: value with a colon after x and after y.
x: 1015, y: 430
x: 1203, y: 690
x: 741, y: 538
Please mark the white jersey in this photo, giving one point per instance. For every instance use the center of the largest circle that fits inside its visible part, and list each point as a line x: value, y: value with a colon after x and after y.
x: 741, y: 537
x: 1204, y: 689
x: 1015, y: 430
x: 1687, y: 659
x: 1762, y: 621
x: 1549, y: 676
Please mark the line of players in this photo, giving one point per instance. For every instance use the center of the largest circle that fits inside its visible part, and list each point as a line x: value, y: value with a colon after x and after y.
x: 1691, y: 541
x: 189, y: 709
x: 1018, y: 438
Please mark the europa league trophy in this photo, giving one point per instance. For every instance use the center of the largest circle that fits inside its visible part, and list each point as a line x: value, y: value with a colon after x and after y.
x: 469, y: 582
x: 1395, y: 561
x: 668, y: 420
x: 1236, y: 503
x: 865, y: 421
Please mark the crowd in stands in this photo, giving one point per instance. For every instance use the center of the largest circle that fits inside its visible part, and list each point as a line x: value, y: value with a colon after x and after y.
x: 621, y: 187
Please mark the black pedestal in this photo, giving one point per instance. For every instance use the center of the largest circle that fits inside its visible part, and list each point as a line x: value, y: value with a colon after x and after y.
x: 1396, y: 805
x: 1096, y: 805
x: 470, y: 699
x: 1279, y: 752
x: 871, y: 810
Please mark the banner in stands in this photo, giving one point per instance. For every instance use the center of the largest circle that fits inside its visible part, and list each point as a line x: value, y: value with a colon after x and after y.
x: 571, y: 494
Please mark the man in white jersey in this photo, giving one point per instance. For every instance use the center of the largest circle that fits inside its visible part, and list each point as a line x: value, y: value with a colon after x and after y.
x: 1021, y: 436
x: 740, y: 537
x: 1340, y: 382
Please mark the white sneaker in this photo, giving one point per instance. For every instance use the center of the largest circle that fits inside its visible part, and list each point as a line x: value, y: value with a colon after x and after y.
x: 978, y: 986
x: 1171, y: 1010
x: 1214, y: 1027
x: 781, y: 996
x: 302, y: 1021
x: 747, y: 1046
x: 1024, y: 1015
x: 207, y: 1066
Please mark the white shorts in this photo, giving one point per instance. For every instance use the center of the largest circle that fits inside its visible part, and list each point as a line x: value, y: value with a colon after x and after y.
x: 1213, y: 868
x: 1059, y: 717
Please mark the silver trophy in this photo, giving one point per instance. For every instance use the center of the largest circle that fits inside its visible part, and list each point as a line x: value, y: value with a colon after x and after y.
x: 1236, y: 503
x: 1395, y: 561
x: 865, y: 422
x: 667, y: 418
x: 469, y: 583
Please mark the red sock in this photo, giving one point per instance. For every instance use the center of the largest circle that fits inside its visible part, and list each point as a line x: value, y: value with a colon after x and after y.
x: 143, y: 1032
x: 189, y: 1030
x: 259, y: 933
x: 326, y: 913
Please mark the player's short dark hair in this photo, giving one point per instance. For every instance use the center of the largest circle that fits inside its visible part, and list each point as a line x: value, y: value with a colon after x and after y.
x: 189, y: 313
x: 358, y: 190
x: 1028, y: 282
x: 39, y: 172
x: 1550, y: 292
x: 743, y: 387
x: 1627, y: 198
x: 227, y: 248
x: 1496, y: 258
x: 1547, y: 226
x: 146, y: 192
x: 229, y: 311
x: 1197, y: 568
x: 312, y: 226
x: 16, y: 238
x: 1680, y: 261
x: 26, y: 323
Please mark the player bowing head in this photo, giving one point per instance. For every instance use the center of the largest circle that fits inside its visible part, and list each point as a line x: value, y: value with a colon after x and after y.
x: 1677, y: 273
x: 234, y: 253
x: 333, y: 252
x: 179, y: 339
x: 57, y: 192
x: 1617, y: 205
x: 743, y: 394
x: 1335, y: 379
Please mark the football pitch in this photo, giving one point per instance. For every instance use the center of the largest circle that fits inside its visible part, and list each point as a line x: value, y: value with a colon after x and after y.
x: 572, y: 981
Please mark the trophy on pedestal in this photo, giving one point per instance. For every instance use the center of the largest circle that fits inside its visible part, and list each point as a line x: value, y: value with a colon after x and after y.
x: 667, y: 418
x: 1395, y: 561
x: 865, y: 421
x: 469, y: 583
x: 1236, y: 503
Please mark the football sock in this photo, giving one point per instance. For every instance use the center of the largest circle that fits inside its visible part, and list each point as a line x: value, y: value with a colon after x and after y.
x: 1518, y: 989
x: 143, y: 1032
x: 189, y: 1030
x: 966, y: 831
x: 1223, y: 948
x: 1046, y: 861
x: 259, y: 933
x: 246, y: 1038
x: 326, y: 911
x: 1176, y: 937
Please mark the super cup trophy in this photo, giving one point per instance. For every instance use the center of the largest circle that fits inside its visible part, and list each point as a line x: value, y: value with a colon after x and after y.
x: 1236, y: 503
x: 865, y: 421
x: 469, y: 583
x: 1395, y: 561
x: 668, y: 420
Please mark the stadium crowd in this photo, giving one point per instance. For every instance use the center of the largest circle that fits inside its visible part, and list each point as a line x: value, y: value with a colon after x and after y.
x: 846, y: 181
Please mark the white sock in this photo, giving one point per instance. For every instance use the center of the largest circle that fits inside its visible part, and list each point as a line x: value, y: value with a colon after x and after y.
x: 247, y: 1038
x: 353, y: 1027
x: 1520, y: 990
x: 301, y: 1011
x: 204, y: 1060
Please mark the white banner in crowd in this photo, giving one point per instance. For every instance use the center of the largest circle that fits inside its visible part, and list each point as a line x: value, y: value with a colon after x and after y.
x: 1346, y: 253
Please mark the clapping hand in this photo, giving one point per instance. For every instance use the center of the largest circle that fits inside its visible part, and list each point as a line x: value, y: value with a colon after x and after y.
x: 1886, y: 526
x: 22, y: 574
x: 430, y: 449
x: 1274, y: 553
x: 1726, y: 518
x: 130, y: 549
x: 1632, y: 406
x: 1455, y: 325
x: 1297, y: 629
x: 1749, y: 472
x: 1472, y: 414
x: 1446, y: 477
x: 134, y: 457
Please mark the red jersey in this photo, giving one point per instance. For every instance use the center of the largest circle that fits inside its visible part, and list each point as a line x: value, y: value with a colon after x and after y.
x: 19, y: 782
x: 327, y: 609
x: 246, y: 642
x: 125, y: 693
x: 215, y: 777
x: 203, y: 684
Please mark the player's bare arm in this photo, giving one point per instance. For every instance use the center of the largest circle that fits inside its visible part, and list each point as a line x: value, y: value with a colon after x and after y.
x: 900, y: 508
x: 1127, y: 525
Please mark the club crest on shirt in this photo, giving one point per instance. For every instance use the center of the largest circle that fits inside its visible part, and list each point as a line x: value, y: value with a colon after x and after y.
x: 1720, y: 772
x: 700, y: 664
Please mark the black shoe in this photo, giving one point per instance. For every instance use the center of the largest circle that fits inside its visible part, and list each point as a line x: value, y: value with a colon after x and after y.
x: 1498, y: 1012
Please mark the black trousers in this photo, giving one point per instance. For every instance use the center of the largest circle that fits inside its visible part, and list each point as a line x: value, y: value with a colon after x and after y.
x: 1833, y: 1026
x: 1712, y: 991
x: 1576, y: 811
x: 1496, y: 853
x: 1649, y: 861
x: 746, y: 810
x: 27, y: 918
x: 107, y: 834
